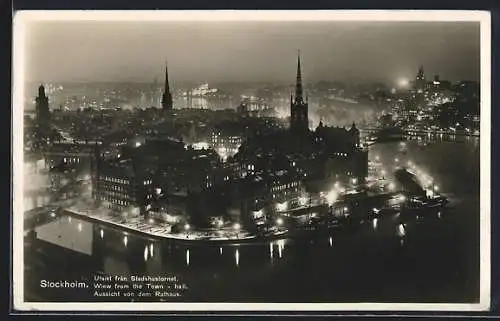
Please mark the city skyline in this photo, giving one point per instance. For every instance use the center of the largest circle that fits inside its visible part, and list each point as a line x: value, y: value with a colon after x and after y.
x: 250, y: 51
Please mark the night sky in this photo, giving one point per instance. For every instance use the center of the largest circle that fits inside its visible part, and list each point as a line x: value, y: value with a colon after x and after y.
x: 250, y: 51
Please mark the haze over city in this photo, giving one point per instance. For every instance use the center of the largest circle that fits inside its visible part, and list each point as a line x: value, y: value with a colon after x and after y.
x: 89, y: 51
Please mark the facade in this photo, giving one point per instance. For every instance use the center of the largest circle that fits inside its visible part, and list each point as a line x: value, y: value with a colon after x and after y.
x: 121, y: 186
x: 71, y: 167
x: 226, y: 138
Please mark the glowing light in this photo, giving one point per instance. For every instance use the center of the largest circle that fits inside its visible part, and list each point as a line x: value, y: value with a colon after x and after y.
x: 401, y: 230
x: 237, y: 257
x: 187, y: 227
x: 402, y: 198
x: 330, y: 240
x: 377, y: 158
x: 220, y: 250
x: 79, y: 227
x: 200, y: 145
x: 354, y: 181
x: 138, y: 144
x: 151, y: 248
x: 279, y: 221
x: 125, y: 240
x: 271, y: 250
x: 331, y: 197
x: 281, y: 246
x: 375, y: 223
x: 302, y: 200
x: 282, y: 206
x: 52, y: 214
x: 376, y: 210
x: 439, y: 214
x: 187, y: 256
x: 151, y: 221
x: 237, y: 226
x: 146, y: 253
x: 102, y: 233
x: 436, y: 188
x: 396, y: 160
x: 392, y: 186
x: 403, y: 82
x: 257, y: 214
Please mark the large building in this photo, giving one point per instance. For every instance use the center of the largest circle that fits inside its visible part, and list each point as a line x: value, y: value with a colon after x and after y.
x: 122, y: 186
x: 43, y: 114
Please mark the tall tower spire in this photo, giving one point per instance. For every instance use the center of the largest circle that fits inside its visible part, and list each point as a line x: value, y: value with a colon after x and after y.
x: 43, y: 115
x: 167, y: 87
x: 298, y: 85
x: 299, y: 120
x: 166, y: 102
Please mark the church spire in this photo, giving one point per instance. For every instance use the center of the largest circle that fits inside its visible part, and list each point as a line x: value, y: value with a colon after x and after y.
x: 166, y: 102
x: 298, y: 85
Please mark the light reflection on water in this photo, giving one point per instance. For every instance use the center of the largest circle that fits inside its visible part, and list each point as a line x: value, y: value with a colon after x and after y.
x: 266, y: 259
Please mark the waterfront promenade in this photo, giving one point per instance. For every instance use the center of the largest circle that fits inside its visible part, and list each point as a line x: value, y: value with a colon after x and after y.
x: 163, y: 230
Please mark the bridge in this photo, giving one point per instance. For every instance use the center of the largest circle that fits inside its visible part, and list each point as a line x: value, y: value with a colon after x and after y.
x: 417, y: 132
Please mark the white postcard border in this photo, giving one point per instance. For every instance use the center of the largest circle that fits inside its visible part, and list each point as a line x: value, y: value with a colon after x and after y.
x: 21, y: 22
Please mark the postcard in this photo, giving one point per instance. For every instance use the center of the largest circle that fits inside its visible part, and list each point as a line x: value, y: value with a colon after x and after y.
x: 251, y: 161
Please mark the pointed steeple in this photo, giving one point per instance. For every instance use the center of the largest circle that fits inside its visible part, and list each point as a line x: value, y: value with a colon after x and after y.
x: 167, y: 87
x: 298, y: 85
x: 167, y: 102
x: 41, y: 91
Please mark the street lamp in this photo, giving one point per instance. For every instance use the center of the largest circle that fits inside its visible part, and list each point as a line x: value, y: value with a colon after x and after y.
x: 237, y: 226
x: 187, y: 227
x: 279, y: 221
